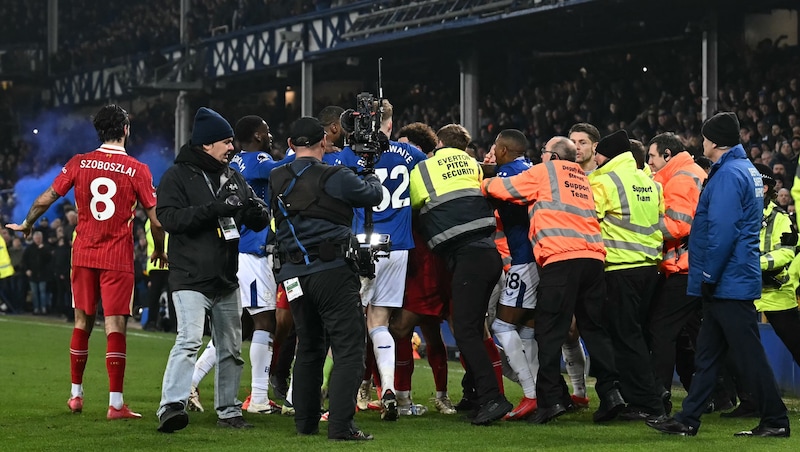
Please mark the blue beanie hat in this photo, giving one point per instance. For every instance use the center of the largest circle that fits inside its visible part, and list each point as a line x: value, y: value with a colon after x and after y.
x: 209, y: 127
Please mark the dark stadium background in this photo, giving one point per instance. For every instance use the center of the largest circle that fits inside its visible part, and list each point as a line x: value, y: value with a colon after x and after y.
x: 536, y: 65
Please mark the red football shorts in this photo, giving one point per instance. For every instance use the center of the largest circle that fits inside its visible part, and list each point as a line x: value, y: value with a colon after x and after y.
x: 281, y: 300
x: 114, y: 288
x: 427, y: 283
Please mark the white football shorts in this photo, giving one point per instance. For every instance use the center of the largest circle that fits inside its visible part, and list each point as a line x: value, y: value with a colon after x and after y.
x: 256, y: 283
x: 389, y: 285
x: 522, y: 281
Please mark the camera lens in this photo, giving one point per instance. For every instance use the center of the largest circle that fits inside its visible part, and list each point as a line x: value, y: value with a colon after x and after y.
x: 233, y: 200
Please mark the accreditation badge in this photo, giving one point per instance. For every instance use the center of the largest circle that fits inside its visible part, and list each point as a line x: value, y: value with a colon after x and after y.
x: 293, y: 289
x: 229, y: 229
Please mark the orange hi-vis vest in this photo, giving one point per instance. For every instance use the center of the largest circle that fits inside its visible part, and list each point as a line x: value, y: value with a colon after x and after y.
x: 682, y: 180
x: 560, y: 207
x: 500, y: 241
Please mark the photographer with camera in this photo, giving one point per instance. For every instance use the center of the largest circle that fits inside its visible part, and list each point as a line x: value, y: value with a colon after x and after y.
x: 383, y: 294
x: 313, y: 207
x: 201, y: 203
x: 257, y: 286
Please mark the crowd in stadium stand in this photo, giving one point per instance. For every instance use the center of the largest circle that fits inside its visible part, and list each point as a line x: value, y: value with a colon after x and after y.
x: 123, y: 28
x: 610, y: 90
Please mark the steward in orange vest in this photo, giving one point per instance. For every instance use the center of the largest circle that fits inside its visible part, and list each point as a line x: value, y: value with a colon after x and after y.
x: 672, y: 311
x: 569, y: 249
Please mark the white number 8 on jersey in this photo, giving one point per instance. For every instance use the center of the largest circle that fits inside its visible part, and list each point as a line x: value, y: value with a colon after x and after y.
x: 103, y: 198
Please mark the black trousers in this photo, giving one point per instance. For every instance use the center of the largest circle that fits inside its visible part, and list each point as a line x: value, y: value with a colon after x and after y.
x: 575, y: 286
x: 787, y: 326
x: 159, y: 280
x: 475, y: 272
x: 626, y: 307
x: 330, y: 304
x: 731, y: 325
x: 672, y: 313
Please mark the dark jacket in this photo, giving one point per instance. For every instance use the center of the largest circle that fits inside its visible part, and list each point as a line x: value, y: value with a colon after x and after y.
x: 38, y: 260
x: 200, y: 259
x: 724, y: 242
x: 343, y: 185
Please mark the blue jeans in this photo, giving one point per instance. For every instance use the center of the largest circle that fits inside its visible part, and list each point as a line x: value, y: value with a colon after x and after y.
x: 226, y: 331
x: 39, y: 295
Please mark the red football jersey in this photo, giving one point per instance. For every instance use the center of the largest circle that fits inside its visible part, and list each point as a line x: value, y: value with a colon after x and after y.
x: 108, y: 182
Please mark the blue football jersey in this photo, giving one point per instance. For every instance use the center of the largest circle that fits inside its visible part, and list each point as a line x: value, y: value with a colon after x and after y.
x: 256, y: 168
x: 516, y: 223
x: 393, y: 215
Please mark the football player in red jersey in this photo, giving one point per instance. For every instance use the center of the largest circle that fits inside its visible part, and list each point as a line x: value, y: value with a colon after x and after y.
x: 108, y: 183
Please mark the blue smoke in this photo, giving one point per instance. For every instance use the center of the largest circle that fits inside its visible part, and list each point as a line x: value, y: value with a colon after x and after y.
x: 157, y: 156
x: 28, y: 188
x: 59, y: 136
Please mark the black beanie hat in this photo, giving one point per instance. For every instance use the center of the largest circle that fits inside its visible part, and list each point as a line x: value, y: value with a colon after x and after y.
x: 722, y: 129
x: 209, y: 127
x: 614, y: 144
x: 766, y: 174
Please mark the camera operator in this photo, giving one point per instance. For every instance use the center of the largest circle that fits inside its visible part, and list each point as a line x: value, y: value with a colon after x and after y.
x: 383, y: 294
x: 201, y: 203
x: 313, y: 207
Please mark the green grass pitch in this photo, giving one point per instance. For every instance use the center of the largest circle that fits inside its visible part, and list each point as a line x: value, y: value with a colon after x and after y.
x: 34, y: 387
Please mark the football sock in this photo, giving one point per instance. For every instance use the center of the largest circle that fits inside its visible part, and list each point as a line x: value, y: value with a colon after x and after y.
x: 526, y: 335
x: 327, y: 368
x: 575, y: 361
x: 512, y: 344
x: 78, y: 353
x: 204, y: 364
x: 115, y: 400
x: 260, y: 360
x: 115, y: 364
x: 383, y: 346
x: 404, y: 365
x: 437, y: 359
x: 497, y: 363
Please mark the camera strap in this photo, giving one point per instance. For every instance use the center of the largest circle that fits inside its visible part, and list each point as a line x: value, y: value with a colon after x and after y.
x: 285, y: 212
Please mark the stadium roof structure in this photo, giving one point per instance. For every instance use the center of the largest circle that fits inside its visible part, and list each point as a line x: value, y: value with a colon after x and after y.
x: 361, y: 27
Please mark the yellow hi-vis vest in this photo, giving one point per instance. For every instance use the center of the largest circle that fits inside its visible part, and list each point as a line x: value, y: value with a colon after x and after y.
x: 630, y: 206
x: 446, y: 190
x: 6, y: 269
x: 776, y: 256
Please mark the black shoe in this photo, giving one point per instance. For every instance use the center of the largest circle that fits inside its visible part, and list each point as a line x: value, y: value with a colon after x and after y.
x: 763, y: 431
x: 492, y: 411
x: 545, y: 415
x: 671, y: 426
x: 389, y: 406
x: 610, y: 406
x: 173, y: 419
x: 743, y: 410
x: 632, y: 414
x: 354, y: 435
x: 466, y: 404
x: 234, y: 422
